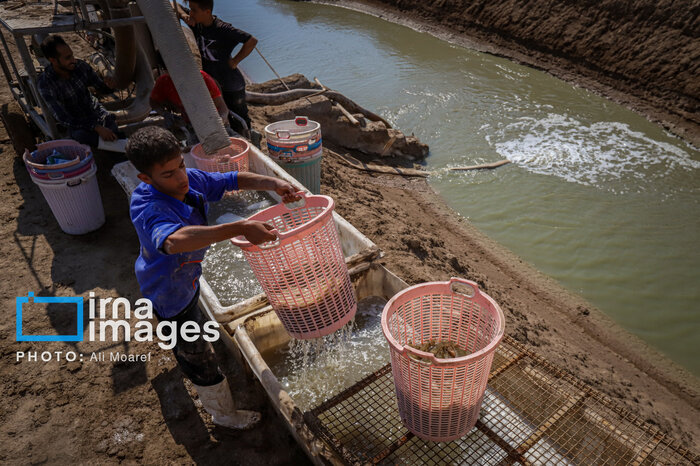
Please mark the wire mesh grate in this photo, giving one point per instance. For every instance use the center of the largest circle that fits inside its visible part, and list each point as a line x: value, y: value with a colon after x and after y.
x: 533, y: 413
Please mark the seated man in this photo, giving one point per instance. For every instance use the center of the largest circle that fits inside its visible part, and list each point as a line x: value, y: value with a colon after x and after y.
x: 164, y: 97
x: 64, y: 88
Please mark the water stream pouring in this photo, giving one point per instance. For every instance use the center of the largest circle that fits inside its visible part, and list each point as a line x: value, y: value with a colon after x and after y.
x: 303, y: 272
x: 440, y: 399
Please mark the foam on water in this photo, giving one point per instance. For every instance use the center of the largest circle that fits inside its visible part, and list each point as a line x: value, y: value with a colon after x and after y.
x: 312, y: 371
x: 608, y: 155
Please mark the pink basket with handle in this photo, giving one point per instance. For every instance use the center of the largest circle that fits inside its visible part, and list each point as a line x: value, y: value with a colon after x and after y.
x: 440, y: 399
x: 231, y: 158
x: 303, y: 272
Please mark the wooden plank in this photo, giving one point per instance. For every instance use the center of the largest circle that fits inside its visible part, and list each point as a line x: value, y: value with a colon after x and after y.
x: 483, y: 165
x: 347, y: 114
x: 352, y: 162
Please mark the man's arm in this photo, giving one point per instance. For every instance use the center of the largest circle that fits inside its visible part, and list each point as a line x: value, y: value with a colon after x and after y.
x: 255, y: 182
x: 182, y: 13
x: 244, y: 52
x: 194, y: 237
x: 101, y: 86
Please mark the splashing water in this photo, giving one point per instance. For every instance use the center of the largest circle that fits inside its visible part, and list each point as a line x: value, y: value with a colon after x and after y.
x: 312, y: 371
x: 224, y: 267
x: 604, y: 154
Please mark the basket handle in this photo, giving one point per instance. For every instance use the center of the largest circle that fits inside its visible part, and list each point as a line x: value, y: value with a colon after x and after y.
x: 297, y: 204
x: 472, y: 290
x: 280, y: 236
x: 271, y: 244
x: 421, y: 357
x: 301, y: 121
x: 56, y: 176
x: 283, y: 134
x: 289, y: 233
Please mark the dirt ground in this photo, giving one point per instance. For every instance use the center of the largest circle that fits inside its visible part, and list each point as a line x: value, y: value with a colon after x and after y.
x: 109, y: 412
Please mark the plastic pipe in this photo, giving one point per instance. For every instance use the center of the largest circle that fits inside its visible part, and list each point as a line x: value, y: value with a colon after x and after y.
x: 170, y: 40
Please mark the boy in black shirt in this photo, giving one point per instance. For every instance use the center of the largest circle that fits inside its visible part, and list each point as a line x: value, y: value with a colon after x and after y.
x: 216, y: 40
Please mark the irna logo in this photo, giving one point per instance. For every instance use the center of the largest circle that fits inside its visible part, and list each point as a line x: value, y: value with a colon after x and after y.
x: 115, y: 315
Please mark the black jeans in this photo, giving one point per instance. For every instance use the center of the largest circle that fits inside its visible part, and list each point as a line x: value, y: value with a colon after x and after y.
x: 235, y: 101
x: 196, y: 359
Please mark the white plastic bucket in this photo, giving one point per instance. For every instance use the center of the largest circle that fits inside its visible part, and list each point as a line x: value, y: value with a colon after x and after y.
x: 75, y: 202
x: 297, y: 147
x: 294, y: 141
x: 307, y: 173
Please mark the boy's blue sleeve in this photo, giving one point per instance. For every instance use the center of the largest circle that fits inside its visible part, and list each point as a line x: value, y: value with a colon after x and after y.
x: 157, y: 224
x: 213, y: 184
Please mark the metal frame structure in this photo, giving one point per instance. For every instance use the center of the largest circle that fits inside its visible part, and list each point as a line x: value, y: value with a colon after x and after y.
x: 74, y: 16
x: 533, y: 413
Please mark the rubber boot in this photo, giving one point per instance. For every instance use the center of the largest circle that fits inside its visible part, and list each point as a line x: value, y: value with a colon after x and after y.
x: 218, y: 402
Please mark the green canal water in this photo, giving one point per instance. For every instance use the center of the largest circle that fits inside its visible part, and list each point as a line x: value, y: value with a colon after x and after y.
x: 596, y: 197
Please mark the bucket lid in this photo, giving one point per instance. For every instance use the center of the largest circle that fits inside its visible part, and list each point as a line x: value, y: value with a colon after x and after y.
x: 299, y: 127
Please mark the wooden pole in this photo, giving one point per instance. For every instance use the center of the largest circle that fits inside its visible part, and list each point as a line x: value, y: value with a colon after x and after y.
x: 482, y: 166
x: 347, y: 114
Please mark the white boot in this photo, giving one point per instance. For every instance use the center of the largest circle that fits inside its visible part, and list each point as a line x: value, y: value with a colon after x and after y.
x: 218, y: 402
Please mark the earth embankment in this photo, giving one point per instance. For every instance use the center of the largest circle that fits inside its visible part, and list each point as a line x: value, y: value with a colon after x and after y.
x: 643, y: 54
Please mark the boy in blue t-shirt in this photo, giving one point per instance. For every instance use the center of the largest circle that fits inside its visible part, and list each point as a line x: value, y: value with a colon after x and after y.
x: 169, y: 212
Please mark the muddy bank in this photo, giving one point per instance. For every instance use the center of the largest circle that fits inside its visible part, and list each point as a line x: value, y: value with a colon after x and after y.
x: 644, y: 55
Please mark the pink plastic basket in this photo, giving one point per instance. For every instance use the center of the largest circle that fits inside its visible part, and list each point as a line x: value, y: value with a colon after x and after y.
x: 440, y: 399
x: 231, y: 158
x: 303, y: 272
x: 65, y: 173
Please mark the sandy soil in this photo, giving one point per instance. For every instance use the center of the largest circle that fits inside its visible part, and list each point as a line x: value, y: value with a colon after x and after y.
x: 143, y: 412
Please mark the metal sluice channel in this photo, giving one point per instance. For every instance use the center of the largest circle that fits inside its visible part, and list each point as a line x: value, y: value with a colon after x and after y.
x: 533, y: 413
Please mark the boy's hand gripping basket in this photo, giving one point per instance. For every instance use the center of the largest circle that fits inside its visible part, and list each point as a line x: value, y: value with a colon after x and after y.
x: 229, y: 159
x: 303, y: 272
x: 440, y: 399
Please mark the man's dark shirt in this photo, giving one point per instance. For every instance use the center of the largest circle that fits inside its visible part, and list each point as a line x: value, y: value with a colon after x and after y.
x: 215, y: 43
x: 70, y: 100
